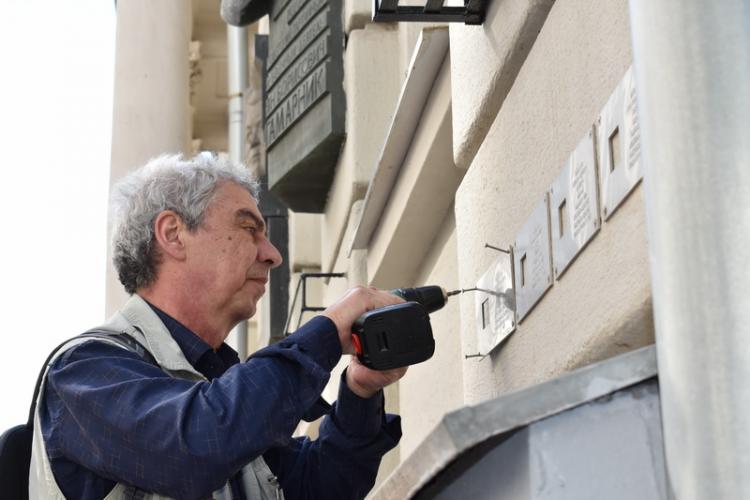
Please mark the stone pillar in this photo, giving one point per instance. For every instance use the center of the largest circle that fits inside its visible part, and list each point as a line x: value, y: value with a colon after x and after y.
x: 151, y: 112
x: 692, y: 73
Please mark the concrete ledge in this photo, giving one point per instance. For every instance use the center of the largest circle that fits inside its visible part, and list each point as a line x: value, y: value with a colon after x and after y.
x: 464, y: 429
x: 419, y: 200
x: 424, y: 69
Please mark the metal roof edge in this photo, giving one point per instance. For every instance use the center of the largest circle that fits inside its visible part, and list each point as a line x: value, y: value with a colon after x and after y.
x: 463, y: 429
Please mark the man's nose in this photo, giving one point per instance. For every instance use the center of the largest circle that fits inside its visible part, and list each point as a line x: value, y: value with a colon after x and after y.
x: 269, y: 254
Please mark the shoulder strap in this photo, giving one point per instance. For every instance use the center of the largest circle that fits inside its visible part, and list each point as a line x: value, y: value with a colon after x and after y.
x: 121, y: 338
x: 127, y: 341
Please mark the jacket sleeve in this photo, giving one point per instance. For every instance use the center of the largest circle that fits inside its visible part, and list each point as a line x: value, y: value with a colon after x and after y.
x: 126, y: 420
x: 343, y: 462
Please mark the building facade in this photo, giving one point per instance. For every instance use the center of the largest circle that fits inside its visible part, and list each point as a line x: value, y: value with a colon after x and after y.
x: 454, y: 137
x: 503, y: 156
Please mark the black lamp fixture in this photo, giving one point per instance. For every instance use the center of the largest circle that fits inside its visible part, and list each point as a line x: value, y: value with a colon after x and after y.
x: 429, y: 11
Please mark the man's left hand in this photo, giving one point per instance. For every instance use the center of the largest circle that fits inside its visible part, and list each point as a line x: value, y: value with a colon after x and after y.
x: 365, y: 382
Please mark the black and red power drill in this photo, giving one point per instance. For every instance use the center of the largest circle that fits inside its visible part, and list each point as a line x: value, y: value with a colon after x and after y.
x: 400, y: 334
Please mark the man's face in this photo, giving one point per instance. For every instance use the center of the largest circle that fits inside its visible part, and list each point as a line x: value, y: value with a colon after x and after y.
x: 229, y: 255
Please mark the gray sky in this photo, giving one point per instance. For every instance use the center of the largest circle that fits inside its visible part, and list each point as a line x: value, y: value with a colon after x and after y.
x: 55, y: 125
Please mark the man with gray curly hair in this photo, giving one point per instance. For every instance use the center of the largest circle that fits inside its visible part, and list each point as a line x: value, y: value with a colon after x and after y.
x: 155, y: 404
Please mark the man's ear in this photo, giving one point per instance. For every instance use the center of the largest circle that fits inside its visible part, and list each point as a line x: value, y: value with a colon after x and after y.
x: 169, y: 232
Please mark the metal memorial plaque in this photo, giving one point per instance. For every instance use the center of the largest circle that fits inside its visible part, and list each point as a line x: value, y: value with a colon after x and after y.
x: 574, y: 205
x: 495, y: 305
x: 304, y: 103
x: 619, y: 145
x: 531, y: 260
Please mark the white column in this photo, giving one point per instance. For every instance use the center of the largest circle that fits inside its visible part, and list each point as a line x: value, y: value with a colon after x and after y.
x: 151, y: 112
x: 692, y: 65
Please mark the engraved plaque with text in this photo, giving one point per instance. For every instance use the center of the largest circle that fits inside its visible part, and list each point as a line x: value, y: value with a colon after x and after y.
x: 574, y: 206
x: 495, y: 305
x: 531, y: 260
x: 619, y: 145
x: 304, y: 103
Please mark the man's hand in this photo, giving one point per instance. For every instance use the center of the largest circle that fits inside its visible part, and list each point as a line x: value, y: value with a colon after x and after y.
x: 357, y: 301
x: 365, y: 382
x: 361, y: 380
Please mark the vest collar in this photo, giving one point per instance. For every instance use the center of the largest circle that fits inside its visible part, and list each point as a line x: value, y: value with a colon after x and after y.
x: 159, y: 341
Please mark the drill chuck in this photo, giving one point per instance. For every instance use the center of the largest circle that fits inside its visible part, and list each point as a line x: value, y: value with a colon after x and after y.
x: 431, y: 297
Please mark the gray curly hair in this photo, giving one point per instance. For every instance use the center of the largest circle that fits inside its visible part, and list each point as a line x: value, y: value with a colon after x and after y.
x: 168, y: 182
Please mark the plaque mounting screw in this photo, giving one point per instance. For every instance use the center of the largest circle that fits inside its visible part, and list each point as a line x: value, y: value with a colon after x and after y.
x: 477, y: 355
x: 487, y: 245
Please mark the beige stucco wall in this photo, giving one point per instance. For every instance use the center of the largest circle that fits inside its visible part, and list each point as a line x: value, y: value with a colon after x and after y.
x: 415, y: 244
x: 601, y: 305
x: 304, y: 241
x: 421, y: 198
x: 357, y: 14
x: 355, y: 268
x: 435, y: 387
x: 485, y: 61
x: 374, y: 71
x: 509, y: 105
x: 371, y: 83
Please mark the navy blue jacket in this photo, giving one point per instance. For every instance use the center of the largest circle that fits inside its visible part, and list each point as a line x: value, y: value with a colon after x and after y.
x: 110, y: 416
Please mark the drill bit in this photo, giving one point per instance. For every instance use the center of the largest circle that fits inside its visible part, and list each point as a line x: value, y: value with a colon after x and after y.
x: 462, y: 290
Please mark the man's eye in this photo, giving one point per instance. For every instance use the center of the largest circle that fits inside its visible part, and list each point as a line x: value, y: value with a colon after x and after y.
x: 252, y: 229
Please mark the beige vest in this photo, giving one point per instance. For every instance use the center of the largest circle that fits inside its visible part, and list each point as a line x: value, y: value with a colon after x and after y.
x: 139, y: 321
